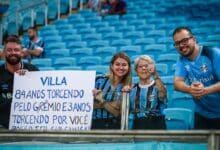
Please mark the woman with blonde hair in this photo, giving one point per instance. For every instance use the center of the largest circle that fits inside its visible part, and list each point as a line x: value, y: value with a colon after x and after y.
x: 107, y: 93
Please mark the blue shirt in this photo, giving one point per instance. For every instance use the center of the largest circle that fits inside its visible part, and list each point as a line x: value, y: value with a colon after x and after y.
x: 145, y: 101
x: 34, y: 45
x: 104, y: 84
x: 206, y: 70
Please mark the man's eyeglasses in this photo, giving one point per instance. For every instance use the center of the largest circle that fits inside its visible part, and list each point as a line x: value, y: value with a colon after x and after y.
x: 182, y: 42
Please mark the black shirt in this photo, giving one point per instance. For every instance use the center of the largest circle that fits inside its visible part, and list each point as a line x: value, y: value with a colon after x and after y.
x: 6, y: 89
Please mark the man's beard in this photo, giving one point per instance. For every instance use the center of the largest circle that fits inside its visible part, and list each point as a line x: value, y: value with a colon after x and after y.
x: 31, y: 37
x: 13, y: 61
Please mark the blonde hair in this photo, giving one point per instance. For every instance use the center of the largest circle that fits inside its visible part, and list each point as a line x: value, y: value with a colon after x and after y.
x: 142, y: 57
x: 127, y: 78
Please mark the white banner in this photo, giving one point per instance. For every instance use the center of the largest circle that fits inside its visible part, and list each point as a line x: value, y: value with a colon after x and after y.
x: 52, y: 101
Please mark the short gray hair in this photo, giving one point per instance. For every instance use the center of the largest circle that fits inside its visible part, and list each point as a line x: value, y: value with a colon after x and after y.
x: 142, y: 57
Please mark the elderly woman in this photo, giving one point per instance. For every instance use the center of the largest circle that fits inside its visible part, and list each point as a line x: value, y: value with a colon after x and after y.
x: 148, y: 97
x: 107, y: 105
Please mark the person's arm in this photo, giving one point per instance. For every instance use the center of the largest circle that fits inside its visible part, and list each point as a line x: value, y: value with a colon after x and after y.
x: 35, y: 52
x: 113, y: 107
x: 212, y: 89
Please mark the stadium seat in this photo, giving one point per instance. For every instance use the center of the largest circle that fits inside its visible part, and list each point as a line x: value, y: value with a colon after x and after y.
x: 42, y: 62
x: 46, y: 68
x: 179, y: 119
x: 86, y: 30
x: 64, y: 27
x: 81, y: 52
x: 82, y: 26
x: 129, y: 17
x: 104, y: 30
x: 70, y: 68
x: 98, y: 43
x: 58, y: 45
x: 52, y: 39
x: 117, y: 23
x: 125, y: 28
x: 56, y: 53
x: 89, y: 61
x: 121, y: 42
x: 66, y: 32
x: 64, y: 62
x: 137, y: 22
x: 26, y: 23
x: 155, y: 49
x: 133, y: 35
x: 112, y: 36
x: 169, y: 83
x: 169, y: 59
x: 40, y: 18
x: 144, y: 41
x: 162, y: 69
x: 105, y: 51
x: 77, y: 44
x: 92, y: 36
x: 131, y: 50
x: 182, y: 100
x: 71, y: 37
x: 99, y: 24
x: 100, y: 69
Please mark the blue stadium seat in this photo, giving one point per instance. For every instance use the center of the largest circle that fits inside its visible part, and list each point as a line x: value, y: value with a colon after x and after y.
x: 68, y: 38
x: 169, y: 59
x: 135, y: 79
x: 179, y: 118
x: 129, y: 17
x: 182, y: 100
x: 125, y: 28
x: 11, y: 28
x: 52, y: 39
x: 117, y: 23
x: 52, y: 9
x: 77, y: 44
x: 89, y: 61
x: 81, y: 52
x: 75, y: 19
x: 100, y: 69
x: 46, y: 68
x: 64, y: 27
x: 107, y: 60
x: 110, y: 18
x: 64, y: 62
x: 65, y: 32
x: 98, y: 43
x: 93, y: 19
x: 155, y: 49
x: 86, y: 13
x: 50, y: 33
x: 70, y: 68
x: 105, y: 51
x: 60, y: 22
x: 26, y: 23
x: 137, y: 22
x: 56, y: 53
x: 144, y: 41
x: 133, y: 35
x: 40, y: 18
x: 58, y: 45
x: 64, y: 6
x: 99, y: 24
x: 86, y: 30
x: 121, y: 42
x: 169, y: 83
x: 131, y: 50
x: 82, y: 26
x: 92, y: 36
x: 145, y: 28
x: 156, y: 33
x: 162, y: 69
x: 42, y: 62
x: 105, y: 30
x: 112, y: 36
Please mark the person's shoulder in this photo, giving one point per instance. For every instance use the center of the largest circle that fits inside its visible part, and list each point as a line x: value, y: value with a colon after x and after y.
x: 30, y: 67
x: 101, y: 77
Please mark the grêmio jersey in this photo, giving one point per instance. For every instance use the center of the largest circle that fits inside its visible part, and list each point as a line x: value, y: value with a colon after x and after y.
x: 204, y: 69
x: 6, y: 89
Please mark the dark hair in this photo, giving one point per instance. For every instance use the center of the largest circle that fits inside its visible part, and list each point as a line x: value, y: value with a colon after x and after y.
x: 32, y: 28
x: 13, y: 38
x: 179, y: 29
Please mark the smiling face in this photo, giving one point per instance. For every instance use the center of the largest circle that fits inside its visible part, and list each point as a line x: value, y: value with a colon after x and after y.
x: 184, y: 43
x: 120, y: 67
x: 142, y: 69
x: 12, y: 53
